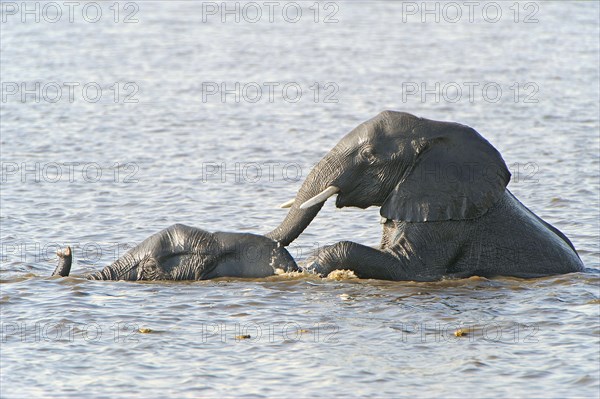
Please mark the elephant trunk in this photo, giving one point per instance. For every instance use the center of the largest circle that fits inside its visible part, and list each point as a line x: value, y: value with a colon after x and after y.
x: 297, y: 219
x: 125, y: 268
x: 65, y: 258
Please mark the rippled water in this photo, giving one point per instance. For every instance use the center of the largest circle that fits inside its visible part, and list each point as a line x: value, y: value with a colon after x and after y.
x: 158, y: 160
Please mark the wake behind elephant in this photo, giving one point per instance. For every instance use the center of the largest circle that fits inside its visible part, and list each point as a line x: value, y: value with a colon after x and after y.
x: 180, y: 252
x: 445, y: 208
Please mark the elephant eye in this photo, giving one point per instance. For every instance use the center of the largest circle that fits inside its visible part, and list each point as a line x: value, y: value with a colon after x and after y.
x: 368, y: 155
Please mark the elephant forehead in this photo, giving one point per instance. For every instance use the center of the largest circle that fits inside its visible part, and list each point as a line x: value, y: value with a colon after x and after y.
x: 387, y: 131
x: 358, y: 135
x: 381, y: 141
x: 363, y: 134
x: 397, y: 123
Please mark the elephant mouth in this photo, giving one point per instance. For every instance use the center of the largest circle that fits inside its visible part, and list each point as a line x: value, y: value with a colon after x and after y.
x: 343, y: 198
x: 356, y: 196
x: 341, y: 201
x: 350, y: 195
x: 348, y: 199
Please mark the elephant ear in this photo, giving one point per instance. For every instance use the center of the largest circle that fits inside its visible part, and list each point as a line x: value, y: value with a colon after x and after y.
x: 456, y: 174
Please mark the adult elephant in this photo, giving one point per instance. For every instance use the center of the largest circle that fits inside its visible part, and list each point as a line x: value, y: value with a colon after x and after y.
x: 181, y: 252
x: 445, y: 208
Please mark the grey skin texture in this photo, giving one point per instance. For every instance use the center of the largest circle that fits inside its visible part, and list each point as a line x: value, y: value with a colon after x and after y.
x: 181, y: 252
x: 446, y: 212
x: 65, y: 258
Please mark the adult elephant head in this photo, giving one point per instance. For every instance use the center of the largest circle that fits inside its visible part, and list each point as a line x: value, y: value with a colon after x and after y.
x: 415, y: 169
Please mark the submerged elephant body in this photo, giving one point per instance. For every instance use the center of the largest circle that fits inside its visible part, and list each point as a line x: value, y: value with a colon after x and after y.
x: 181, y: 252
x: 441, y: 189
x: 457, y: 249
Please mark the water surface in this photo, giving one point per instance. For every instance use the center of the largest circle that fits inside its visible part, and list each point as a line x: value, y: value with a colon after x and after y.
x: 175, y: 156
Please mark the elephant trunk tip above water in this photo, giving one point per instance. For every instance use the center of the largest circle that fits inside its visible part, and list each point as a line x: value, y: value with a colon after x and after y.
x: 446, y: 211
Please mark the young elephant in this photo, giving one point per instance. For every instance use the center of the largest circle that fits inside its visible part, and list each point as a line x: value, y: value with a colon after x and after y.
x: 181, y: 252
x: 444, y: 205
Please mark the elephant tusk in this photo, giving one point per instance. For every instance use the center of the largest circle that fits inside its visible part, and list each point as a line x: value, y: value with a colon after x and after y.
x: 288, y: 204
x: 321, y: 197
